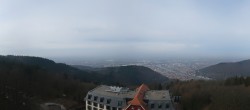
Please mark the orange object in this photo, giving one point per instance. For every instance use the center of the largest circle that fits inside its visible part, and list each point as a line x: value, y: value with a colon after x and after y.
x: 137, y: 103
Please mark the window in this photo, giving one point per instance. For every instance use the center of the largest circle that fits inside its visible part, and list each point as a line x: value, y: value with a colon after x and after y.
x: 119, y: 103
x: 89, y: 108
x: 159, y: 105
x: 89, y: 96
x: 108, y: 101
x: 167, y: 105
x: 89, y: 102
x: 101, y: 106
x: 146, y: 101
x: 113, y: 108
x: 152, y: 106
x: 95, y: 109
x: 95, y: 98
x: 119, y: 108
x: 101, y: 99
x: 108, y: 107
x: 95, y: 104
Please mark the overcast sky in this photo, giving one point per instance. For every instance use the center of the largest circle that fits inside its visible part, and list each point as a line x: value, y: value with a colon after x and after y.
x: 125, y: 28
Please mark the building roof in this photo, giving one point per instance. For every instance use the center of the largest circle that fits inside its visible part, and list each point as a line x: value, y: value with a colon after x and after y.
x: 139, y: 96
x: 124, y: 98
x: 106, y: 91
x: 157, y: 95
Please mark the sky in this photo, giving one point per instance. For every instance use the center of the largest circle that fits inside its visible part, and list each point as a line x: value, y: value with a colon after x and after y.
x: 125, y: 28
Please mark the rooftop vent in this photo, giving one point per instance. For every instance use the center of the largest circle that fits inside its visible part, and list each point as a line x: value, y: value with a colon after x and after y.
x: 117, y: 89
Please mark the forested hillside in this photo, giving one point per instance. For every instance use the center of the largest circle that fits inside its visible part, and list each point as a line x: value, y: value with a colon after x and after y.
x: 27, y: 81
x: 226, y: 70
x: 230, y: 94
x: 128, y: 75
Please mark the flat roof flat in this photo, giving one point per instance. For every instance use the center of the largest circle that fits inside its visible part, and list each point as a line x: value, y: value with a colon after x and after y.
x: 149, y: 95
x: 103, y: 90
x: 157, y: 95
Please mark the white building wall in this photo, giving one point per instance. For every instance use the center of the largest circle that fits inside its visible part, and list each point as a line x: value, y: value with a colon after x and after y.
x: 98, y: 106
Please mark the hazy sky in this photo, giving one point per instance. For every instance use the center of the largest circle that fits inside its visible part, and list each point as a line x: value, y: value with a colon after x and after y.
x: 125, y: 28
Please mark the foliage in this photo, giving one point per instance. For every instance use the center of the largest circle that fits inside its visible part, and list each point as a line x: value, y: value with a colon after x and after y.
x: 226, y: 70
x: 23, y: 86
x: 25, y: 82
x: 230, y: 94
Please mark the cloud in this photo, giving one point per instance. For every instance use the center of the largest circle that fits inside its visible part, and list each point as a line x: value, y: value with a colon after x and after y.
x: 114, y: 27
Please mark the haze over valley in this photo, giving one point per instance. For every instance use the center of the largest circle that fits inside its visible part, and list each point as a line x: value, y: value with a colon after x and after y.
x: 175, y: 68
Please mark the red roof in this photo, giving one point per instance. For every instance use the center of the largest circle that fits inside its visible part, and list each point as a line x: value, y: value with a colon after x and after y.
x: 138, y: 98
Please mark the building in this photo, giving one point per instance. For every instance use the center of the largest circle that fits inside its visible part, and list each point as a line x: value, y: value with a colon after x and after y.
x: 119, y: 98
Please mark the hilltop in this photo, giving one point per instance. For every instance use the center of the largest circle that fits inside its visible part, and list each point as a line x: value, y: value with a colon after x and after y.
x: 127, y: 75
x: 226, y: 70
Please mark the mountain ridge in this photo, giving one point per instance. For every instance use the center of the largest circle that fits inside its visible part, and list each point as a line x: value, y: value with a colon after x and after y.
x: 32, y: 80
x: 89, y: 74
x: 226, y: 70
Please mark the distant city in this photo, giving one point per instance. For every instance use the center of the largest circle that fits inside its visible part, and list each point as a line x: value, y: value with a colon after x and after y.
x: 182, y: 69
